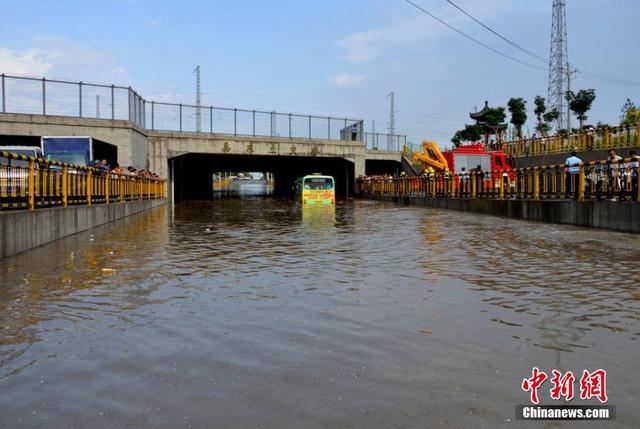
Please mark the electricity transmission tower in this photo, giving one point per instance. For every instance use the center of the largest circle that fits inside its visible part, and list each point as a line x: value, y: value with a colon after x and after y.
x: 198, y: 100
x: 559, y: 71
x: 392, y: 121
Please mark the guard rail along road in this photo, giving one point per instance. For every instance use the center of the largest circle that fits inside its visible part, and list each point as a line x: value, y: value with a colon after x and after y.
x: 624, y: 136
x: 596, y: 180
x: 31, y: 183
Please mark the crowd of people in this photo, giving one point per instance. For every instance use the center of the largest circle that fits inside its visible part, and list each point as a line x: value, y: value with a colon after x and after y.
x: 103, y: 168
x: 616, y: 176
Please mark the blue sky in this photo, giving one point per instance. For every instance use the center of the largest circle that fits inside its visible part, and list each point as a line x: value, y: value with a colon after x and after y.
x: 338, y: 58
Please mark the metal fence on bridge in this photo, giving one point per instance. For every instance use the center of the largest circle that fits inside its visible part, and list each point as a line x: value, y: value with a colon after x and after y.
x: 382, y: 141
x: 87, y: 100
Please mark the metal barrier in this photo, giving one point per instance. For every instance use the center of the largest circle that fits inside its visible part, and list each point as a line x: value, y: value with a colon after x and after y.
x: 31, y: 183
x: 596, y: 180
x: 382, y: 141
x: 625, y: 136
x: 85, y: 100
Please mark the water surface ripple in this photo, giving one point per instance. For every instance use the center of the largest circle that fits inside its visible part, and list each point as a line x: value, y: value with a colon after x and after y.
x: 256, y: 313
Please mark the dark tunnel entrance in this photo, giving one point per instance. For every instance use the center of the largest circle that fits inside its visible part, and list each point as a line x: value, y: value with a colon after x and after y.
x: 374, y: 167
x: 192, y: 174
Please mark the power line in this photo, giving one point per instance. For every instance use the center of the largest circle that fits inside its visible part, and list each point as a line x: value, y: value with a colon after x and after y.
x: 606, y: 79
x: 472, y: 38
x: 600, y: 77
x: 376, y: 105
x: 514, y: 44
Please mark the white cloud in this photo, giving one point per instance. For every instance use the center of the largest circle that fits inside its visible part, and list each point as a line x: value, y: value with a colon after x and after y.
x: 413, y: 28
x: 346, y: 79
x: 27, y: 63
x: 61, y: 58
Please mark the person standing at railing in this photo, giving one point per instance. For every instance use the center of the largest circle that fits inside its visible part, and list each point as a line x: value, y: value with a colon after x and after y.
x: 572, y: 170
x: 464, y: 183
x: 631, y: 175
x: 354, y: 132
x: 613, y: 173
x: 478, y: 181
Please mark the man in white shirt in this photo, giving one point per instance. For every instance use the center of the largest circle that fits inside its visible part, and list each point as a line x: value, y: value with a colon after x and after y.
x: 572, y: 169
x: 613, y: 174
x: 631, y: 175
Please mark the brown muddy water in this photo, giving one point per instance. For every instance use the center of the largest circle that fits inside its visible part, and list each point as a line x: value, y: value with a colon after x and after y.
x: 252, y: 313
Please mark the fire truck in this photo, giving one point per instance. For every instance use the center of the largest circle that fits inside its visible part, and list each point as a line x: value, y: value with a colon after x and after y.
x: 493, y: 163
x: 468, y: 156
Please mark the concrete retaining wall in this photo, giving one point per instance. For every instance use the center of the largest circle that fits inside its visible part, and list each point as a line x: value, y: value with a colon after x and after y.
x: 23, y: 230
x: 620, y: 216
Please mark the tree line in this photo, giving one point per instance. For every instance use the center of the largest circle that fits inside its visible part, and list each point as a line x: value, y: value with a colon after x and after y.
x: 579, y: 103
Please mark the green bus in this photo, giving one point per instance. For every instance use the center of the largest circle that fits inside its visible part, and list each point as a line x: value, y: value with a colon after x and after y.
x: 316, y: 189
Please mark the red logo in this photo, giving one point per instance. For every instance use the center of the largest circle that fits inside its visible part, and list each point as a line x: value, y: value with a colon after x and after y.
x: 592, y: 385
x: 532, y: 384
x: 562, y: 385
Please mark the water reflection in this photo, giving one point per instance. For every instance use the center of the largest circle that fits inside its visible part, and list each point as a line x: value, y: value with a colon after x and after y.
x: 318, y: 217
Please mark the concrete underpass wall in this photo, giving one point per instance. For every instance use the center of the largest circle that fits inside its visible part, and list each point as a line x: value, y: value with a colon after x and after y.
x: 23, y: 230
x: 130, y: 140
x: 620, y: 216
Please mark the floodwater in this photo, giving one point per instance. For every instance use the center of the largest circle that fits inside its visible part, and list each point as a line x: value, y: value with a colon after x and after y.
x: 252, y: 313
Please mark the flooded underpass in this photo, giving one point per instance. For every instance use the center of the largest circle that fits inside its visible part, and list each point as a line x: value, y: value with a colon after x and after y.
x: 254, y: 313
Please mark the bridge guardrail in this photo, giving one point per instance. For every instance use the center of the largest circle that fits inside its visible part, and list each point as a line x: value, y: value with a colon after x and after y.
x: 30, y: 183
x: 596, y: 180
x: 19, y: 94
x: 383, y: 141
x: 624, y: 136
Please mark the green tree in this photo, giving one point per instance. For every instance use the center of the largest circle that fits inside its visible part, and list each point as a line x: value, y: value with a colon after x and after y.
x: 551, y: 116
x: 494, y: 117
x: 580, y: 103
x: 630, y: 113
x: 518, y: 110
x: 540, y: 108
x: 469, y: 133
x: 544, y: 117
x: 543, y: 128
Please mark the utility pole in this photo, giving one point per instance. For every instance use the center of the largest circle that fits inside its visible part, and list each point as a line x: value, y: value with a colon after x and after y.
x: 198, y: 100
x: 559, y: 72
x: 392, y: 120
x: 374, y: 144
x: 98, y: 106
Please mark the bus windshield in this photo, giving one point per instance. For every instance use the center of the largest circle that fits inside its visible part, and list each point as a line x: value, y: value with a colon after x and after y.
x: 317, y: 183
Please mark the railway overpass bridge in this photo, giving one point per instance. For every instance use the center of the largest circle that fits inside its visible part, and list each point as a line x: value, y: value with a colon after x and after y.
x: 188, y: 159
x: 187, y: 144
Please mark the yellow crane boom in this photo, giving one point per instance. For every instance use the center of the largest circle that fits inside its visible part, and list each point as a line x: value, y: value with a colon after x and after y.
x: 431, y: 157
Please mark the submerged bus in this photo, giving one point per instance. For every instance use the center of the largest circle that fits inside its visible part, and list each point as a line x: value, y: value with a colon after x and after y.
x: 316, y: 189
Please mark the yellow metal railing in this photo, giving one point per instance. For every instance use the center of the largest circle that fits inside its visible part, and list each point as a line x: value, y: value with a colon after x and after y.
x: 624, y: 136
x: 30, y: 183
x: 596, y: 180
